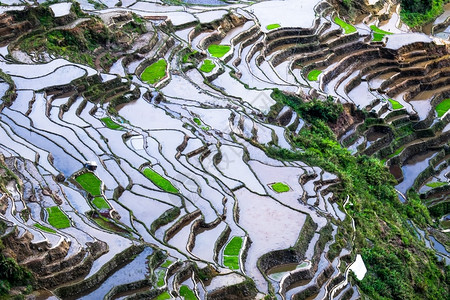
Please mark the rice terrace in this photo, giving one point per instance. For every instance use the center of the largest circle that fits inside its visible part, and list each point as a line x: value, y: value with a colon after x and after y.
x: 224, y: 149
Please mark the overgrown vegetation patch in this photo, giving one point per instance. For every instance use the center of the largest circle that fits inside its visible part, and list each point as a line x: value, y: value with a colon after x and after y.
x: 101, y: 203
x: 90, y: 183
x: 155, y: 72
x: 399, y: 265
x: 419, y: 12
x: 218, y: 50
x: 44, y: 228
x: 57, y: 218
x: 443, y: 107
x: 234, y: 246
x: 347, y: 27
x: 231, y: 262
x: 159, y: 181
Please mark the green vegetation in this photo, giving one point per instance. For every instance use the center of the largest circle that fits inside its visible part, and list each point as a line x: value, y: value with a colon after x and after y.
x: 12, y: 275
x: 436, y: 184
x: 110, y: 123
x: 419, y: 12
x: 187, y: 57
x: 57, y: 218
x: 443, y: 107
x: 347, y: 27
x: 218, y: 50
x: 395, y: 104
x: 10, y: 94
x: 378, y: 34
x: 314, y: 75
x: 155, y: 72
x: 326, y: 110
x: 397, y: 152
x: 160, y: 275
x: 101, y: 203
x: 90, y: 183
x: 159, y: 181
x: 207, y: 66
x: 231, y: 253
x: 164, y: 296
x: 44, y: 228
x: 234, y: 246
x: 399, y: 266
x: 231, y: 262
x: 167, y: 263
x: 167, y: 217
x: 197, y: 121
x: 187, y: 293
x: 280, y: 187
x: 272, y: 26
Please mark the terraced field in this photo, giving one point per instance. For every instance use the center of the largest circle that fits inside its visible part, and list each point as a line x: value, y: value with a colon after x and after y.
x: 175, y: 106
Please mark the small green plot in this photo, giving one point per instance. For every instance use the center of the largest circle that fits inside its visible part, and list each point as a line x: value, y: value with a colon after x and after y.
x: 90, y: 183
x: 231, y: 262
x: 160, y: 277
x: 218, y: 50
x: 378, y: 30
x: 347, y: 27
x: 395, y: 104
x: 159, y: 181
x: 378, y: 34
x: 110, y: 123
x: 443, y: 107
x: 167, y: 263
x: 234, y: 246
x: 155, y: 72
x: 273, y: 26
x: 314, y: 75
x: 187, y: 293
x: 207, y: 66
x: 397, y: 152
x: 280, y: 187
x: 436, y: 184
x: 164, y: 296
x: 57, y: 218
x: 44, y: 228
x: 101, y: 203
x: 197, y: 121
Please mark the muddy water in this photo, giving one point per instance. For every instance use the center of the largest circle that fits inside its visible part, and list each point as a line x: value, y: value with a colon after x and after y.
x: 412, y: 167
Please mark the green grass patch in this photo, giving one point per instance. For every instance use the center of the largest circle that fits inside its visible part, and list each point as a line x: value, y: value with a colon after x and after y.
x: 234, y: 246
x: 395, y: 104
x: 187, y: 293
x: 57, y: 218
x: 231, y: 262
x: 207, y: 66
x: 155, y: 72
x: 436, y: 184
x: 378, y: 34
x: 273, y: 26
x: 159, y: 181
x: 443, y: 107
x: 160, y: 277
x: 44, y: 228
x: 110, y: 123
x: 167, y: 263
x: 280, y: 187
x: 101, y: 203
x: 313, y: 75
x: 197, y: 121
x: 347, y: 27
x: 90, y: 183
x: 164, y: 296
x: 218, y: 50
x: 397, y: 152
x: 378, y: 30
